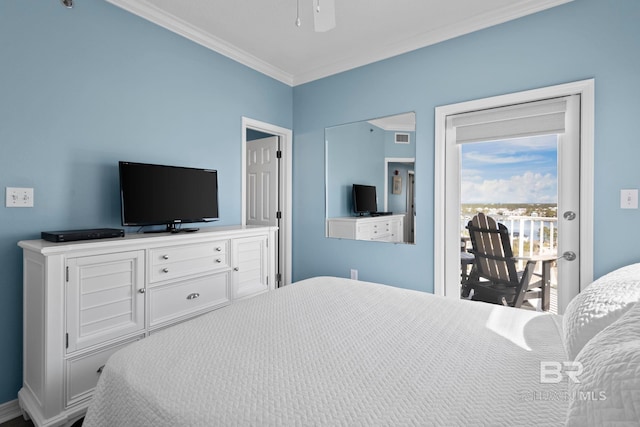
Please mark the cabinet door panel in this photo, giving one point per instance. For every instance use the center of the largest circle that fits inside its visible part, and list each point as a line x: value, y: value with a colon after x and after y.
x: 103, y: 298
x: 250, y: 272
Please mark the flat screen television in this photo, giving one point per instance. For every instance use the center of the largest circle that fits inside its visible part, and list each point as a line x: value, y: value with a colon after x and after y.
x: 167, y: 195
x: 364, y: 199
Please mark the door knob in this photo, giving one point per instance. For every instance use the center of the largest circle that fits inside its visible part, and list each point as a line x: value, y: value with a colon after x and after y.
x: 568, y: 255
x: 569, y: 215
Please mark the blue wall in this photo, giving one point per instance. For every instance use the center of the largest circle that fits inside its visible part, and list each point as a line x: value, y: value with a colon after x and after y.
x: 579, y: 40
x: 85, y: 87
x: 391, y: 149
x: 355, y: 155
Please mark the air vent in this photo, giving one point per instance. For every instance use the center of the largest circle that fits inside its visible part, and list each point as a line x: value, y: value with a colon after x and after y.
x: 402, y: 138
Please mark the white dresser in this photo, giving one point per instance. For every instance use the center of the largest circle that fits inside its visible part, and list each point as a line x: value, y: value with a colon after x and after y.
x: 85, y: 300
x: 385, y: 228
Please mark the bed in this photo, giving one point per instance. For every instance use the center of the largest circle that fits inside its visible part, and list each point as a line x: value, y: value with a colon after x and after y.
x: 333, y: 351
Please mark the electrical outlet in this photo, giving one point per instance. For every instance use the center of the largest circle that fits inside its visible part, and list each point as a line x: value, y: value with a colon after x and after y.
x: 354, y: 274
x: 629, y: 199
x: 19, y: 197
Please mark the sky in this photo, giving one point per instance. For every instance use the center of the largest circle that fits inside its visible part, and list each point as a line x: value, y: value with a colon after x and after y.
x: 522, y: 170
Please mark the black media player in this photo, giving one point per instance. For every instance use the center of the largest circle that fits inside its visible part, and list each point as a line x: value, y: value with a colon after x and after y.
x: 73, y: 235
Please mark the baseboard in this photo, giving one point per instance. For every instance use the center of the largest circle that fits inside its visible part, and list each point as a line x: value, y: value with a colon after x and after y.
x: 9, y: 411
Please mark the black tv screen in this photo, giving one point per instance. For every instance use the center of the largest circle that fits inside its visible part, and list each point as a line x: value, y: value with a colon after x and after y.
x: 159, y: 194
x: 364, y: 199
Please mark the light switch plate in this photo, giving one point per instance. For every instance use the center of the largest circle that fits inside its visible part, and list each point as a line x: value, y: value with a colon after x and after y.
x: 19, y: 197
x: 629, y: 199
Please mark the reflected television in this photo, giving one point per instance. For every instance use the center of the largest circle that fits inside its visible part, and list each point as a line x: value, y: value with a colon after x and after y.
x: 364, y: 199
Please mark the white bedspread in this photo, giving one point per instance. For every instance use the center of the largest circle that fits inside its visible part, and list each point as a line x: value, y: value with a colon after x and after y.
x: 330, y: 351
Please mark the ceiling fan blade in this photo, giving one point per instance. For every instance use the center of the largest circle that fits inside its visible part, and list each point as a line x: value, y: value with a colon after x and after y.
x: 324, y: 15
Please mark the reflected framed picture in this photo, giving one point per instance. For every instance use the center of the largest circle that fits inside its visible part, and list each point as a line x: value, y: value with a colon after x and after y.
x: 397, y: 185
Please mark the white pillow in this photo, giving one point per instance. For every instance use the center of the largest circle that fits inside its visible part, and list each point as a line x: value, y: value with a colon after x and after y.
x: 599, y: 305
x: 609, y: 389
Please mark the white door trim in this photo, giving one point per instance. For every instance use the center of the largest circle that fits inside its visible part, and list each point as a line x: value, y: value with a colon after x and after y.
x: 585, y: 88
x: 388, y: 160
x: 286, y: 145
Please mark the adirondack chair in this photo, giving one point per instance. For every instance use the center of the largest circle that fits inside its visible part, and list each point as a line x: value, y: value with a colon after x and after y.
x: 494, y: 277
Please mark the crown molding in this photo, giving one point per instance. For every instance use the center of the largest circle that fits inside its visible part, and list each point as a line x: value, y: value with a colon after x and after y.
x: 145, y: 10
x: 166, y: 20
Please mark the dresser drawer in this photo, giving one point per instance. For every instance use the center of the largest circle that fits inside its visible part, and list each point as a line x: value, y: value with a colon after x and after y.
x: 83, y: 372
x: 364, y: 231
x: 177, y: 261
x: 183, y: 298
x: 381, y: 230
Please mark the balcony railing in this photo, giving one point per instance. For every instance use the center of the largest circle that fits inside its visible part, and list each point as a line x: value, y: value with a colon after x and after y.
x: 529, y: 235
x: 541, y: 233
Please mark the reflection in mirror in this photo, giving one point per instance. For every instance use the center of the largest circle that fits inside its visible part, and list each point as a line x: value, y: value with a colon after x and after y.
x: 370, y: 179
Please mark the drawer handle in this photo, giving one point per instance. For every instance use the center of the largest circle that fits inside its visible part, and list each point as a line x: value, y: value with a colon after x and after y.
x: 165, y: 256
x: 236, y: 269
x: 100, y: 369
x: 218, y: 249
x: 193, y: 295
x: 142, y: 290
x: 218, y: 260
x: 165, y: 270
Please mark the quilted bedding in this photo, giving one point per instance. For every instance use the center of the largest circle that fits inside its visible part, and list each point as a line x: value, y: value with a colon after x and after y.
x: 331, y: 351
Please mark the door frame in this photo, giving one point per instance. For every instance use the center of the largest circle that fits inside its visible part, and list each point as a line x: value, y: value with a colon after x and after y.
x: 387, y: 160
x: 408, y: 234
x: 286, y: 145
x: 411, y: 199
x: 586, y: 90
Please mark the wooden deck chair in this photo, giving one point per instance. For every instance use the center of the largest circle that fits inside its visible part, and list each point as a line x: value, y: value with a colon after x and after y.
x: 494, y: 277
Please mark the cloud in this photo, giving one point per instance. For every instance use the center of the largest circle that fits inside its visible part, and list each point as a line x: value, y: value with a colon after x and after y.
x: 538, y: 149
x: 520, y: 170
x: 500, y: 158
x: 530, y: 187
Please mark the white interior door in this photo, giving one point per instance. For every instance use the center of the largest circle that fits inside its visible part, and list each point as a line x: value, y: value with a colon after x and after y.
x: 284, y: 188
x: 262, y: 181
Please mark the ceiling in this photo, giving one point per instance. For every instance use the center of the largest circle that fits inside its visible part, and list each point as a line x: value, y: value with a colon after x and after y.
x: 402, y: 122
x: 262, y: 33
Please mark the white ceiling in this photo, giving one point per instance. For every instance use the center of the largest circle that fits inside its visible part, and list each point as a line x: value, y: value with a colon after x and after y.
x: 403, y: 122
x: 262, y: 33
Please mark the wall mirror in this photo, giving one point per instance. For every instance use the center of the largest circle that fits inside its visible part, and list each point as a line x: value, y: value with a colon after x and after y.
x: 370, y: 179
